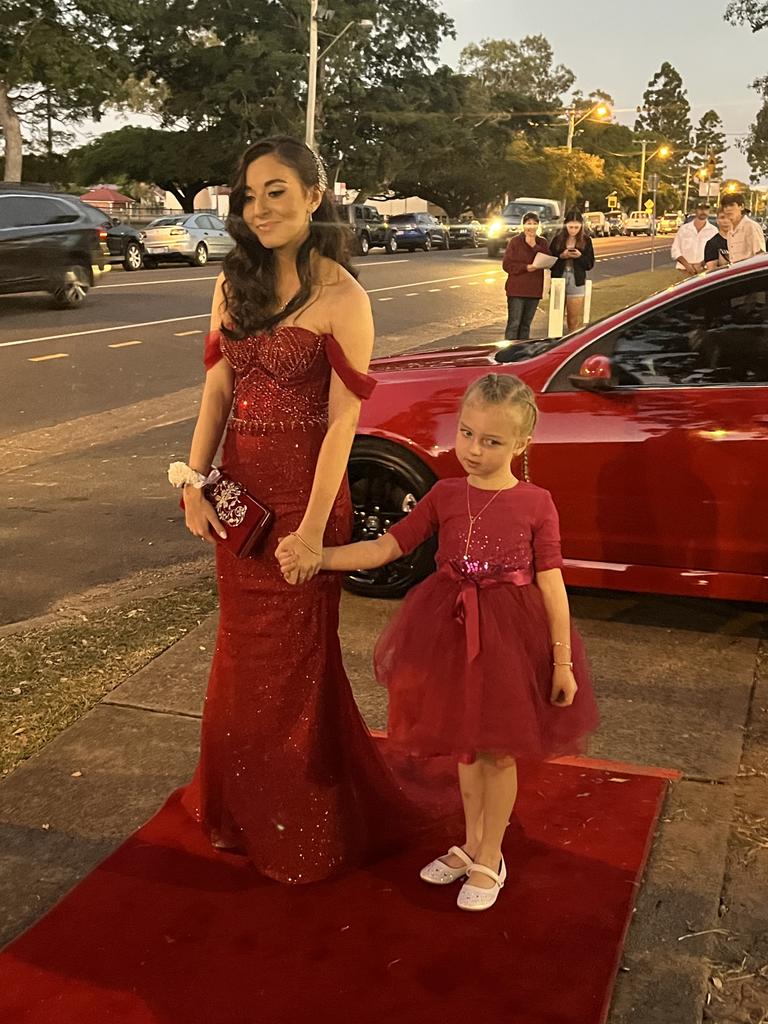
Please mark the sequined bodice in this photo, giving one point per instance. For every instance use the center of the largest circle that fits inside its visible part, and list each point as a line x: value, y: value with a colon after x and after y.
x: 281, y: 380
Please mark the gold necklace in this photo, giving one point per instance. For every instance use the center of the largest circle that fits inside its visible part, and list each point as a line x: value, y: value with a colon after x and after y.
x: 473, y: 519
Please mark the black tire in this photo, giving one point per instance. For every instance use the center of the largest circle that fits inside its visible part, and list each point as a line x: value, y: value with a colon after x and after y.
x: 133, y: 257
x: 149, y: 263
x: 73, y: 290
x: 382, y: 474
x: 364, y: 245
x: 427, y: 244
x: 473, y: 242
x: 201, y: 255
x: 446, y: 243
x: 391, y: 245
x: 493, y: 250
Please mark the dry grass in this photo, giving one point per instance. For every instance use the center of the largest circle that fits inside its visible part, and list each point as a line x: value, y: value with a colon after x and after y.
x: 52, y: 675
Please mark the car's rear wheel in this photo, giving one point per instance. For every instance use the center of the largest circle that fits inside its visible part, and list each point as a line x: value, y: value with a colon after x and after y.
x: 426, y: 244
x: 391, y: 246
x: 201, y: 256
x: 493, y: 250
x: 364, y: 245
x: 386, y: 481
x: 133, y: 257
x: 73, y: 290
x: 446, y: 243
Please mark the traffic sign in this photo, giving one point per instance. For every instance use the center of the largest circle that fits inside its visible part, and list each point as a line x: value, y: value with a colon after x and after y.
x: 653, y: 182
x: 613, y: 201
x: 649, y: 206
x: 709, y: 189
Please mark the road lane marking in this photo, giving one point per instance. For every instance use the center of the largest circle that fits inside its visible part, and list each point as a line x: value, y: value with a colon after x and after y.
x: 185, y: 334
x: 42, y: 359
x: 123, y: 344
x: 434, y: 289
x: 409, y: 295
x: 103, y: 330
x: 144, y: 281
x: 454, y: 286
x: 387, y: 298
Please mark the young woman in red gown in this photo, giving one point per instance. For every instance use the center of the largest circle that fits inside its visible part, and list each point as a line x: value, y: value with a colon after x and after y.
x: 288, y: 773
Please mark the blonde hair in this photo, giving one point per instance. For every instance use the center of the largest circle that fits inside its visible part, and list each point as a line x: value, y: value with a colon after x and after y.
x: 506, y: 389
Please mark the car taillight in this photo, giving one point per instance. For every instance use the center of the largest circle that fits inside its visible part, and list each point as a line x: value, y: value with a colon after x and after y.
x: 102, y: 235
x: 178, y: 231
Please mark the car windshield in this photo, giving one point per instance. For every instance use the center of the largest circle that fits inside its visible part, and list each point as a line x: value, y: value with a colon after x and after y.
x: 164, y: 222
x: 520, y: 350
x: 519, y: 210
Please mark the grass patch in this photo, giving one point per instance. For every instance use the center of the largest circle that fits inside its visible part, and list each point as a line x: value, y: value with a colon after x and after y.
x: 615, y: 293
x: 52, y: 675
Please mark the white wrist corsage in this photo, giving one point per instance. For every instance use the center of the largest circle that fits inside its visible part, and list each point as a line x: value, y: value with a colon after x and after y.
x: 179, y: 474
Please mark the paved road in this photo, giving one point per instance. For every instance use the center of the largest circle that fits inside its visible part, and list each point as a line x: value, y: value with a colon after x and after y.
x: 139, y: 335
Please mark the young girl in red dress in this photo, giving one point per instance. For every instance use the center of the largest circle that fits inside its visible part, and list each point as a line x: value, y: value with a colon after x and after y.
x: 481, y: 660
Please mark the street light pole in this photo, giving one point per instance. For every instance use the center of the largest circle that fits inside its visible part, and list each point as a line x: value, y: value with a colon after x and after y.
x: 642, y: 178
x: 309, y: 135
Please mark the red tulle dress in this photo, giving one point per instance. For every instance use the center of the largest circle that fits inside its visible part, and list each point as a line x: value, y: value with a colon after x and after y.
x: 468, y: 656
x: 288, y: 773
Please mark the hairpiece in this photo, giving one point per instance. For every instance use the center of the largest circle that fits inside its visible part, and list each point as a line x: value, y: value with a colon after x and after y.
x: 322, y: 177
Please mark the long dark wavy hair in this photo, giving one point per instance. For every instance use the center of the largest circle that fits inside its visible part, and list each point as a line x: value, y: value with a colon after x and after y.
x: 560, y: 241
x: 250, y: 286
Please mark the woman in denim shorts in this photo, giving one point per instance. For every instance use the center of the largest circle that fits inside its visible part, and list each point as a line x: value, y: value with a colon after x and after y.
x: 575, y: 257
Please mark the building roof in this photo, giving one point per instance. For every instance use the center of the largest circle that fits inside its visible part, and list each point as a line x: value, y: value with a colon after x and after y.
x: 105, y: 194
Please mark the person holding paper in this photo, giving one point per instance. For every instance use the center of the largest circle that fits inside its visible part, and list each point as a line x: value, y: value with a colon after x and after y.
x: 525, y: 280
x: 575, y: 258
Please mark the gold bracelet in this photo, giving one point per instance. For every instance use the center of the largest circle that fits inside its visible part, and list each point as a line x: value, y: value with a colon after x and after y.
x: 307, y: 546
x: 561, y: 643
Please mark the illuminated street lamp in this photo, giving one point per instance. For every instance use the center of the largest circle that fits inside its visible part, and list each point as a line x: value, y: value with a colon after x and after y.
x: 663, y: 151
x: 599, y: 112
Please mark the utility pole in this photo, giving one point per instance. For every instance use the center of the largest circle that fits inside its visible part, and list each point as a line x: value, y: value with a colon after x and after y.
x: 642, y: 178
x: 309, y: 136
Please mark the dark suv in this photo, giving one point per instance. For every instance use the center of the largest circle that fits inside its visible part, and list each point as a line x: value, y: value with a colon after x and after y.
x: 370, y: 227
x: 419, y: 231
x: 123, y: 241
x: 49, y: 243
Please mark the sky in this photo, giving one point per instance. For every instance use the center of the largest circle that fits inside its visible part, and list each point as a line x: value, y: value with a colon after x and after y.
x: 618, y: 46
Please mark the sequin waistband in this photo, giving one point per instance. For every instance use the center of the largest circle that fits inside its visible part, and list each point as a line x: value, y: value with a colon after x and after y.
x: 276, y: 426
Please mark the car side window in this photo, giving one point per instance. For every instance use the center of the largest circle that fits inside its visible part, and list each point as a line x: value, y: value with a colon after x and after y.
x: 218, y: 224
x: 719, y: 336
x: 29, y: 211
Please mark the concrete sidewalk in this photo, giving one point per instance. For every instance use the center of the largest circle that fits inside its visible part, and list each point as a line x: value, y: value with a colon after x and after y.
x: 672, y: 697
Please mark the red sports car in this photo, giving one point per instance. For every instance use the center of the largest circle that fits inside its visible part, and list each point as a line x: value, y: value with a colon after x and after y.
x: 653, y: 439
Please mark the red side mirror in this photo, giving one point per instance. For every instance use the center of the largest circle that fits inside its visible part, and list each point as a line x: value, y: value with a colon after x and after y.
x: 595, y: 374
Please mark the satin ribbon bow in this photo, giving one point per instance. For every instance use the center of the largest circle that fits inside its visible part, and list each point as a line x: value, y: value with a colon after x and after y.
x: 467, y: 605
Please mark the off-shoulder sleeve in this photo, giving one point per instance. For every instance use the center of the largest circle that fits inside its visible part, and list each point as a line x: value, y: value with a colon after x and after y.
x: 546, y: 536
x: 212, y: 352
x: 421, y: 523
x: 360, y: 384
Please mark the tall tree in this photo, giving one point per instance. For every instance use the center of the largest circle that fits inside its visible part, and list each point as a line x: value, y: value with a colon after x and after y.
x: 665, y: 116
x: 59, y: 60
x: 752, y: 12
x: 755, y: 145
x: 523, y: 70
x: 182, y: 163
x: 709, y: 140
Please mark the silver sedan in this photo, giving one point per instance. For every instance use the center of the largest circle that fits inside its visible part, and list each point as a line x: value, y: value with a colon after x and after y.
x: 190, y: 237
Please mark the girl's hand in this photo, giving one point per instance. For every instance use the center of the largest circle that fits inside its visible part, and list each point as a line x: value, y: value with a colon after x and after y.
x: 200, y: 515
x: 297, y: 563
x: 531, y: 269
x: 573, y: 254
x: 563, y: 686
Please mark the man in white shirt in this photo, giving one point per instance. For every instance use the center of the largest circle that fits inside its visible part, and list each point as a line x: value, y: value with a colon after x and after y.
x: 746, y: 237
x: 690, y: 240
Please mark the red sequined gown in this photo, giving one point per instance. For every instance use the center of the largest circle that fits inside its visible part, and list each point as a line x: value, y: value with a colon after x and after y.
x: 288, y: 772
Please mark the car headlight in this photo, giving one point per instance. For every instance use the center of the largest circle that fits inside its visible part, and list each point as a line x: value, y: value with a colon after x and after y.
x: 496, y: 228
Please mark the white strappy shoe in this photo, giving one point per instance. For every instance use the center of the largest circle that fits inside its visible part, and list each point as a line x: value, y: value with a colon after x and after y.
x: 473, y: 897
x: 438, y: 873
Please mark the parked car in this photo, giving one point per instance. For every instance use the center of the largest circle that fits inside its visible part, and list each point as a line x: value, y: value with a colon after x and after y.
x: 597, y: 223
x: 668, y: 223
x: 49, y: 243
x: 616, y: 219
x: 371, y: 228
x: 638, y: 223
x: 419, y: 231
x: 192, y: 238
x: 465, y: 233
x: 123, y: 240
x: 510, y: 222
x: 653, y: 439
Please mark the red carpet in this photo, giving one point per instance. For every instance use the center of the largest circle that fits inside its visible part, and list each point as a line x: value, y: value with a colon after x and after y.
x: 167, y: 931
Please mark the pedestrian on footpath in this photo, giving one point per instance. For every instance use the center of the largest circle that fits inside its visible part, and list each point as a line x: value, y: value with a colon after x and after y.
x: 716, y: 249
x: 575, y: 258
x: 690, y: 240
x: 746, y: 238
x: 289, y: 774
x: 525, y: 283
x: 501, y: 674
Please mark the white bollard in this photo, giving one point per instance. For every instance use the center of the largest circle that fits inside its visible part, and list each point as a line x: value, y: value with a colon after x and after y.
x: 556, y: 308
x: 588, y: 302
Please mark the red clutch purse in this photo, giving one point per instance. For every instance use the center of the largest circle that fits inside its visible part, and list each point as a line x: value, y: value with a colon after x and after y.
x: 244, y: 517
